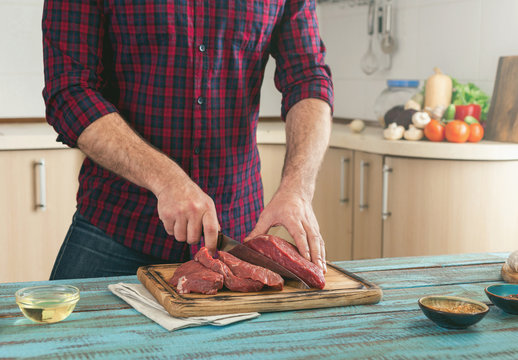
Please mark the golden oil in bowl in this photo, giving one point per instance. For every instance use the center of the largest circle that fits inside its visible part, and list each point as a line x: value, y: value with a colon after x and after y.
x: 47, y: 303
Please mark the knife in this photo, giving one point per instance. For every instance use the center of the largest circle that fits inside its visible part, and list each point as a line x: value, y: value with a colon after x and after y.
x: 247, y: 254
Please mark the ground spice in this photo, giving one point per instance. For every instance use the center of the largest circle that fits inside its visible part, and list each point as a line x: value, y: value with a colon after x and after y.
x: 512, y: 296
x: 459, y: 308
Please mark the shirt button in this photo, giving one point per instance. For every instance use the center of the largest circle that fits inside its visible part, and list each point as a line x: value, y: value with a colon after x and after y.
x: 200, y: 100
x: 197, y: 150
x: 201, y: 48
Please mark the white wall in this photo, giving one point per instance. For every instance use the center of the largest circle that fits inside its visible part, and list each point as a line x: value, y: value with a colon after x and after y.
x: 21, y: 59
x: 462, y: 37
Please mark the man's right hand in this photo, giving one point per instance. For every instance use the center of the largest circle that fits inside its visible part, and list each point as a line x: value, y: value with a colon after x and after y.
x: 187, y: 213
x: 183, y: 207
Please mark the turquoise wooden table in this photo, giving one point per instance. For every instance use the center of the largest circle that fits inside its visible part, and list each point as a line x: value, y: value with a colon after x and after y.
x: 104, y: 327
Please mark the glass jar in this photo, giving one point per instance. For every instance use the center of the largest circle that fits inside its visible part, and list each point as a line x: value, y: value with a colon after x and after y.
x: 398, y: 92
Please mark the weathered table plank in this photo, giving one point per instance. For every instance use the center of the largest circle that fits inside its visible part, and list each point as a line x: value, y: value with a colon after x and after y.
x: 398, y: 334
x: 104, y: 327
x: 358, y: 266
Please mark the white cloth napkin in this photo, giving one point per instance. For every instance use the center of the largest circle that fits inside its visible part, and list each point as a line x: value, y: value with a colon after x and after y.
x: 141, y: 299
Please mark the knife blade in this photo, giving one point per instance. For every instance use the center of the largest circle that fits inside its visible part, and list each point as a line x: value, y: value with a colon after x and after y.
x: 247, y: 254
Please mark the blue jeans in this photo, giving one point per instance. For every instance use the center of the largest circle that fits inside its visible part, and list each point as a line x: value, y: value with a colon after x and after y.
x: 88, y: 252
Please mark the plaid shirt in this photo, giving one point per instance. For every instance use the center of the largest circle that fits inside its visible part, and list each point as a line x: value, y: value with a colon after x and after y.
x: 186, y: 75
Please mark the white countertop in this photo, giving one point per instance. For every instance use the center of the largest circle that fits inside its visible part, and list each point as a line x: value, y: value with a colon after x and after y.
x: 28, y: 136
x: 371, y: 140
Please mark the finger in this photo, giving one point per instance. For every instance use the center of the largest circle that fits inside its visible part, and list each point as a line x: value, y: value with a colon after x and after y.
x: 313, y: 231
x: 323, y: 253
x: 193, y: 230
x: 262, y: 227
x: 169, y: 227
x: 211, y: 226
x: 314, y: 242
x: 297, y: 232
x: 180, y: 229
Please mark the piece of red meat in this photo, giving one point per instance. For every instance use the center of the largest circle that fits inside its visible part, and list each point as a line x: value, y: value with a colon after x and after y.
x: 193, y: 277
x: 231, y: 281
x: 287, y: 255
x: 246, y: 270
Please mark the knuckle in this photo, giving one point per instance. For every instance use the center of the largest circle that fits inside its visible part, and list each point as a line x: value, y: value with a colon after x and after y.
x: 315, y: 251
x: 194, y: 207
x: 167, y: 214
x: 301, y: 235
x: 210, y: 229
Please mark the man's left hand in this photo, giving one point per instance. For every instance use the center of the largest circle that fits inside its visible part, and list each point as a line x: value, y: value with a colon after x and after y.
x: 295, y: 213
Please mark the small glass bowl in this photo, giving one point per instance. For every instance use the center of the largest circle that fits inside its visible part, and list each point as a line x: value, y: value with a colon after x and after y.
x: 47, y: 303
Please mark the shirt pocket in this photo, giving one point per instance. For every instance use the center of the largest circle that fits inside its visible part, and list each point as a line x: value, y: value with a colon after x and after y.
x: 141, y: 25
x: 252, y: 23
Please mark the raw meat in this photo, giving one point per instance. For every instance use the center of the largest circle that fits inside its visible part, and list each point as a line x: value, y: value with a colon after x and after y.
x: 246, y: 270
x: 287, y: 255
x: 231, y: 281
x: 193, y: 277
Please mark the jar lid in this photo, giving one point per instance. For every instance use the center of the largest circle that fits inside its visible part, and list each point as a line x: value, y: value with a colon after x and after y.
x: 403, y: 83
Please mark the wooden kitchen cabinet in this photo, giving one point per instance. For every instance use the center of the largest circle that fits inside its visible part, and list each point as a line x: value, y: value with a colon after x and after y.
x: 447, y: 207
x: 272, y: 161
x: 333, y: 203
x: 367, y: 236
x: 38, y: 192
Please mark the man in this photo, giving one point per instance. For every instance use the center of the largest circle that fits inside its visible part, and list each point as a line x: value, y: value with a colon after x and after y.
x: 163, y: 98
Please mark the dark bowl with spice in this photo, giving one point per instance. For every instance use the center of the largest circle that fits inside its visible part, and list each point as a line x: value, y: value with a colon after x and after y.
x: 505, y: 296
x: 453, y: 312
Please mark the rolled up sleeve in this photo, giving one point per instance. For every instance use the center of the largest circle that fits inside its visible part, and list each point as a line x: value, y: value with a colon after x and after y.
x: 72, y: 45
x: 299, y: 53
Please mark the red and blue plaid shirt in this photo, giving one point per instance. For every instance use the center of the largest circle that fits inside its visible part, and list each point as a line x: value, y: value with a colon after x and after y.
x: 186, y: 75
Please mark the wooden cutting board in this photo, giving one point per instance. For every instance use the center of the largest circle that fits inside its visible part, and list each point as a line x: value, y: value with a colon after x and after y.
x: 502, y: 119
x: 342, y: 288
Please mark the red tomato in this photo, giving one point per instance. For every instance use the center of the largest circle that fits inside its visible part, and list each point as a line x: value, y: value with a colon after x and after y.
x: 434, y: 131
x: 461, y: 111
x: 457, y: 131
x: 476, y: 133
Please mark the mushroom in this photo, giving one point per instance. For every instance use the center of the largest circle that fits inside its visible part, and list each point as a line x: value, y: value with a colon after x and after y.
x: 393, y: 132
x: 420, y: 119
x: 412, y: 104
x: 413, y: 133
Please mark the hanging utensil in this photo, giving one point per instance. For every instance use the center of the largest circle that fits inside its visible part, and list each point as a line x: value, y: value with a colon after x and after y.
x: 384, y: 59
x: 369, y: 61
x: 388, y: 43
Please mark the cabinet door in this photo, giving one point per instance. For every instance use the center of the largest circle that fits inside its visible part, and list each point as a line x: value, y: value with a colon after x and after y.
x: 446, y: 207
x: 30, y: 235
x: 332, y: 203
x: 272, y: 161
x: 367, y: 205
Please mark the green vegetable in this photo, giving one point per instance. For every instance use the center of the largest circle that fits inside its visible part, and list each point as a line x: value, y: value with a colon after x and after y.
x: 450, y: 112
x: 465, y: 94
x: 470, y: 120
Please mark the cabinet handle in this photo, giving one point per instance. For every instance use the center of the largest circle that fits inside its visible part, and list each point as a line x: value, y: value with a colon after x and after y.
x: 362, y: 205
x: 41, y: 202
x: 384, y: 197
x: 344, y: 166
